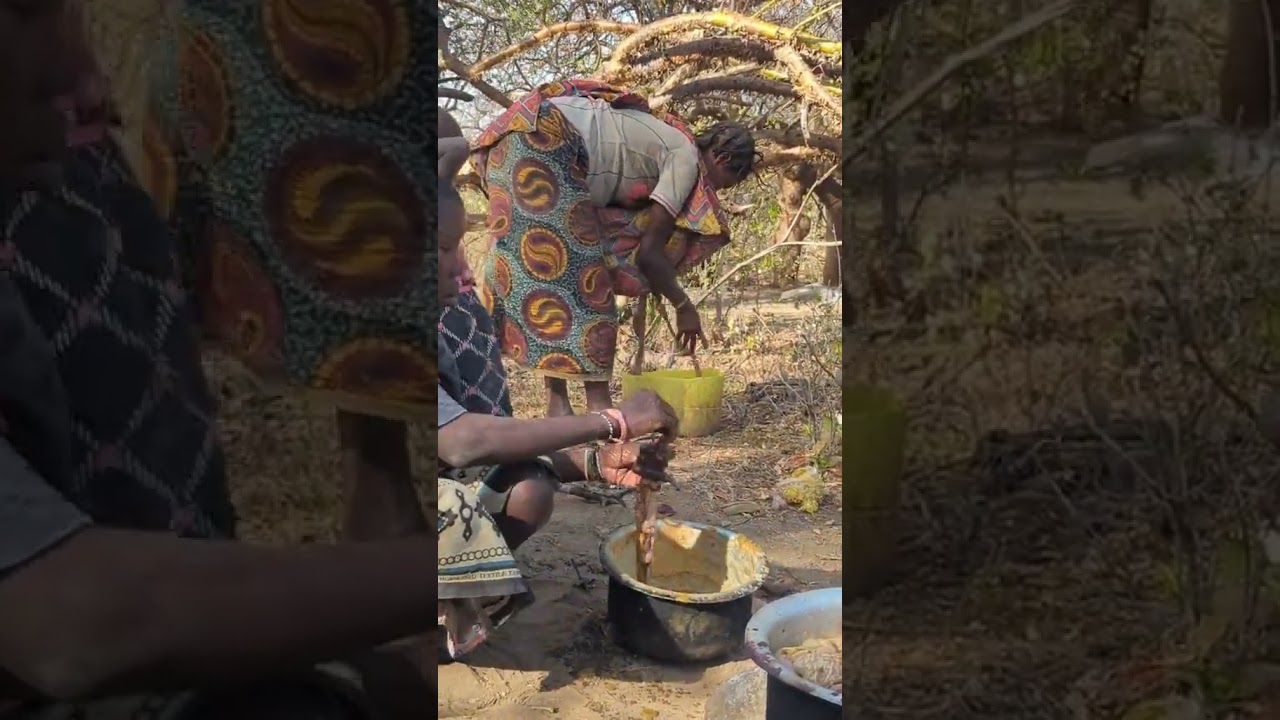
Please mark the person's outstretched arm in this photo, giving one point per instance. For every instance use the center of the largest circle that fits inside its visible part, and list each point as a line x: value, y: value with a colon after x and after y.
x: 86, y: 610
x: 470, y: 439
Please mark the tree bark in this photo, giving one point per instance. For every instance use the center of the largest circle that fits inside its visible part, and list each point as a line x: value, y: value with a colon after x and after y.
x: 794, y: 182
x: 831, y: 196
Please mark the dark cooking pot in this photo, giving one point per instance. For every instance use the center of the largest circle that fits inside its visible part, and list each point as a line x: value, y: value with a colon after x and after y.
x: 787, y: 623
x: 694, y: 622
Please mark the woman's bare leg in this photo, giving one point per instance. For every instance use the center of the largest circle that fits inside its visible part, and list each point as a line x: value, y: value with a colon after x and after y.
x: 530, y: 504
x: 558, y: 404
x: 598, y: 396
x: 381, y: 499
x: 383, y: 503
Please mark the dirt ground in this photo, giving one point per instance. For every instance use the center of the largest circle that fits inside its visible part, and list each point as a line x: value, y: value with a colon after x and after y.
x: 554, y: 659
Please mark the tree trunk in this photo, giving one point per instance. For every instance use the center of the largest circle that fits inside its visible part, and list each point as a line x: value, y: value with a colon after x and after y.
x: 793, y: 184
x: 831, y: 196
x: 1246, y: 93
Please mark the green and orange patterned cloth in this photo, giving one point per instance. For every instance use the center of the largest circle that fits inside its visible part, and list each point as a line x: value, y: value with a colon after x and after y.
x: 559, y: 260
x: 301, y: 177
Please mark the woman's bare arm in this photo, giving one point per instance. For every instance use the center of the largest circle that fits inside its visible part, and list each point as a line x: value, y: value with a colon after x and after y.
x: 381, y: 500
x: 110, y: 611
x: 651, y: 257
x: 475, y: 439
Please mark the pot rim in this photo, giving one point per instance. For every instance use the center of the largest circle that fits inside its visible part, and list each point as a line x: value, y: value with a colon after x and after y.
x: 763, y: 654
x: 746, y: 590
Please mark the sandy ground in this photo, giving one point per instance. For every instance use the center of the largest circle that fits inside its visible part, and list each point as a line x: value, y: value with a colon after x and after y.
x: 556, y: 659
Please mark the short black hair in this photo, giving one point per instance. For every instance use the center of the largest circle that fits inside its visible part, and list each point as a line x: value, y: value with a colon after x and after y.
x: 734, y: 144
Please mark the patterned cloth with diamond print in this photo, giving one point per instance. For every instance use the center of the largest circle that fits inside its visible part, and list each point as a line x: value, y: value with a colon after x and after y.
x: 480, y: 584
x: 105, y: 416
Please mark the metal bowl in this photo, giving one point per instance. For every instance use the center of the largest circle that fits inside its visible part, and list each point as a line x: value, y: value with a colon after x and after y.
x: 787, y: 623
x: 676, y: 626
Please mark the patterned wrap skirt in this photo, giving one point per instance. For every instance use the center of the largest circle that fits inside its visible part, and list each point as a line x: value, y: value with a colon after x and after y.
x: 292, y: 147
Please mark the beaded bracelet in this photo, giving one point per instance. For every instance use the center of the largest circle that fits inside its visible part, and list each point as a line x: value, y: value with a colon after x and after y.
x: 615, y: 429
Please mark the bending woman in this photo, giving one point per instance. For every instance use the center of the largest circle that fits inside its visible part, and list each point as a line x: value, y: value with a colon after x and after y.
x: 594, y: 195
x: 498, y: 473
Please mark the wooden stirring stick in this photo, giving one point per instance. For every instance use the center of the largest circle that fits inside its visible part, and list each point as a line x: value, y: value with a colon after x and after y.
x: 646, y: 518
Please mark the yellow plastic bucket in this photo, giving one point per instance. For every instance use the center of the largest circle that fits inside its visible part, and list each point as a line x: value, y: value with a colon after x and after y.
x: 696, y: 400
x: 874, y: 431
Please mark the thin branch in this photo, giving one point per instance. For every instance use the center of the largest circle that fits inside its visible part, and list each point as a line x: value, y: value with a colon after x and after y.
x: 457, y: 67
x: 760, y: 256
x: 1188, y: 338
x: 547, y: 34
x: 469, y: 8
x: 1027, y: 25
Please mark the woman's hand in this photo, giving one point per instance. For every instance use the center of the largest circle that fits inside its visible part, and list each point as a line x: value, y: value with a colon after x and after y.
x: 689, y: 329
x: 629, y: 464
x: 645, y: 413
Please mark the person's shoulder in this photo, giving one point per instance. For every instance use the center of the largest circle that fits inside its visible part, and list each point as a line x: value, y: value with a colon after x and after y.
x: 646, y: 125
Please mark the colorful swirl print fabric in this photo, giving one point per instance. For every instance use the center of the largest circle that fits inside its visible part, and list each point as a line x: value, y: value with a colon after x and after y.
x: 559, y: 260
x: 299, y: 177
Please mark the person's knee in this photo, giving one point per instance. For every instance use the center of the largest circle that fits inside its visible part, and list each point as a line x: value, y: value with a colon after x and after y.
x: 533, y: 497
